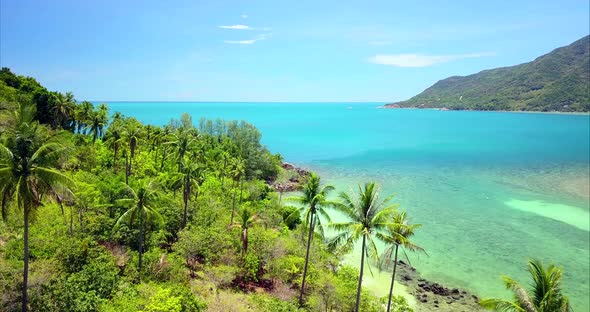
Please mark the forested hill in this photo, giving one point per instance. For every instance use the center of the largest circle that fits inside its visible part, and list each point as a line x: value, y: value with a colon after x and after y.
x: 557, y: 81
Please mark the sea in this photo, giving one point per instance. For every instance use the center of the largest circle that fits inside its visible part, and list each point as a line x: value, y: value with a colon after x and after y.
x: 491, y: 189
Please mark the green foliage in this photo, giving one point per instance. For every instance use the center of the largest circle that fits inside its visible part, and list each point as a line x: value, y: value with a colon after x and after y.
x: 557, y: 81
x: 398, y: 303
x: 88, y: 288
x: 201, y: 245
x: 149, y: 297
x: 338, y: 293
x: 251, y: 267
x: 271, y: 304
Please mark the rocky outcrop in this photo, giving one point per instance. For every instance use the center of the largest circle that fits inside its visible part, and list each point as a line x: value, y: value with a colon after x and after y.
x: 296, y: 177
x: 431, y: 296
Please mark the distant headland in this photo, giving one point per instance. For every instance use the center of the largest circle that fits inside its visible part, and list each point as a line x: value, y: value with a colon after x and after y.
x: 558, y: 81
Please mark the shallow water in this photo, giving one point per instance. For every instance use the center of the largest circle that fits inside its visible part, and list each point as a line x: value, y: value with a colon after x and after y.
x: 491, y: 189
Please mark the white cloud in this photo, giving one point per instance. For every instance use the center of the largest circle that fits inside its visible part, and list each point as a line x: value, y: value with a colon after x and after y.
x: 244, y: 16
x: 239, y: 27
x: 250, y: 41
x: 419, y: 60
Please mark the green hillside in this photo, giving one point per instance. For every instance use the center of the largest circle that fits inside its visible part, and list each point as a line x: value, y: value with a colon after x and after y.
x: 557, y: 81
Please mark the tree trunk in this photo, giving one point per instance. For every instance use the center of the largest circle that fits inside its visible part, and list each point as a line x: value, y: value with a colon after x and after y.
x: 186, y: 198
x: 127, y: 168
x: 392, y: 279
x: 233, y: 203
x: 358, y: 289
x: 26, y: 267
x: 244, y: 241
x: 309, y: 238
x: 71, y: 220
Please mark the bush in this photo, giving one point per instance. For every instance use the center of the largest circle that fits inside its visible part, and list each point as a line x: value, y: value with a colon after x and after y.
x: 152, y: 297
x: 268, y: 303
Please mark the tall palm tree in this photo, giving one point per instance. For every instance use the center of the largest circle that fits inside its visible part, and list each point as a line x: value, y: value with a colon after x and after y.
x: 28, y: 172
x: 182, y: 140
x: 133, y: 134
x: 367, y: 216
x: 247, y: 219
x: 98, y: 120
x: 103, y: 115
x: 238, y: 171
x: 313, y: 201
x: 189, y: 179
x: 544, y: 296
x: 397, y: 235
x: 83, y: 115
x: 140, y: 212
x: 114, y: 138
x: 62, y: 109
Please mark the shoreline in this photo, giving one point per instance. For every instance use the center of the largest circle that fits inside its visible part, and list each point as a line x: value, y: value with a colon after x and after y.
x: 489, y: 111
x: 433, y: 296
x: 421, y: 294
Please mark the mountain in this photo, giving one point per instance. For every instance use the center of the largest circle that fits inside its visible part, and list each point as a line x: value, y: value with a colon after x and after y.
x: 556, y: 81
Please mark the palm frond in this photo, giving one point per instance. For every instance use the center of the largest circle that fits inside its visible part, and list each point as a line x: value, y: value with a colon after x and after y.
x: 500, y: 305
x: 521, y: 296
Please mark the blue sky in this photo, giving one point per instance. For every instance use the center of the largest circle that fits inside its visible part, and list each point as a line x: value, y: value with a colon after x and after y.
x: 274, y: 50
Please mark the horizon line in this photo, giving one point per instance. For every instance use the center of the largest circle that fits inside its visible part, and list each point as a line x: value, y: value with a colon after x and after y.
x: 269, y: 102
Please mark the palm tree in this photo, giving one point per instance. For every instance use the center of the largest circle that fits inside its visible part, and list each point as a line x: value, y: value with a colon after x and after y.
x: 133, y: 134
x: 98, y: 120
x: 114, y: 136
x: 544, y: 296
x: 247, y: 219
x: 181, y: 142
x: 313, y: 201
x: 189, y: 177
x: 239, y: 168
x: 62, y: 109
x: 140, y: 212
x: 367, y: 216
x: 103, y: 115
x: 398, y: 234
x: 83, y: 115
x: 27, y: 173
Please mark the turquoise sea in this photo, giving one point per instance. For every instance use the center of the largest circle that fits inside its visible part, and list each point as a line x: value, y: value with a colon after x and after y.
x: 492, y: 189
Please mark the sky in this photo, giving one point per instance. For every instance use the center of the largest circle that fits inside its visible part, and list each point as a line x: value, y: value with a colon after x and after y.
x: 294, y: 51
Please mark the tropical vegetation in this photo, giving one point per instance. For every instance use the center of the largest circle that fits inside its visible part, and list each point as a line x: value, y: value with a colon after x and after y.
x: 104, y: 213
x: 101, y: 212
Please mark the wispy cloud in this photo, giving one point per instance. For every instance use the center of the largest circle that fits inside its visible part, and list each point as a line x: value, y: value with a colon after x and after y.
x: 419, y: 60
x: 244, y: 16
x: 244, y: 27
x: 238, y: 27
x: 250, y: 41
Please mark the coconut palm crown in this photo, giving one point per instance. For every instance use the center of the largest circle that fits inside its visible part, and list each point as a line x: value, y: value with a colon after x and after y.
x: 545, y: 294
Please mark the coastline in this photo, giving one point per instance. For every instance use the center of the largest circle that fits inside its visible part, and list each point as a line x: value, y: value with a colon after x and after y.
x: 490, y: 111
x: 421, y: 294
